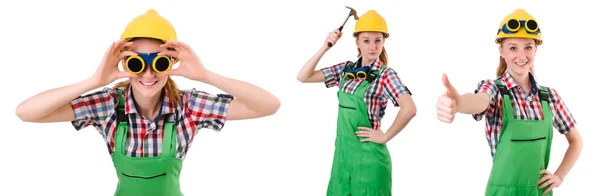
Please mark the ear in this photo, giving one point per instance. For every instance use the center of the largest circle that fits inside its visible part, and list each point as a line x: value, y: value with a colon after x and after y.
x: 500, y: 49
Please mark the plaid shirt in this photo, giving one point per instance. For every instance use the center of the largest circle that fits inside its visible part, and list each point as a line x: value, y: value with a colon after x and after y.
x: 387, y: 86
x: 525, y: 107
x: 197, y: 110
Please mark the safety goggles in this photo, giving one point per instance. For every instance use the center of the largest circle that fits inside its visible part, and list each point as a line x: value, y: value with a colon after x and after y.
x: 360, y: 73
x: 513, y: 25
x: 137, y: 64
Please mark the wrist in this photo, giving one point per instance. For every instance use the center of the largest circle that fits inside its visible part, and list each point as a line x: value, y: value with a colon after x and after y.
x: 459, y: 104
x: 210, y: 78
x: 91, y: 83
x: 324, y: 48
x: 560, y: 176
x: 386, y: 136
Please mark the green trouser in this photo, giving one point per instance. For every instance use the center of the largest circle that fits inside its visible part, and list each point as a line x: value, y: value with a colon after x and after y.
x: 523, y: 151
x: 359, y: 169
x: 150, y: 176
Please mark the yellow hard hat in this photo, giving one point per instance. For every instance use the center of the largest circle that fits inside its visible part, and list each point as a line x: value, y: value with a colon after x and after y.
x: 519, y: 24
x: 373, y: 22
x: 150, y: 25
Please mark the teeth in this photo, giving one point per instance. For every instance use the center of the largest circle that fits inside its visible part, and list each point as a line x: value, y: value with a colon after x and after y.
x: 521, y: 64
x: 147, y: 83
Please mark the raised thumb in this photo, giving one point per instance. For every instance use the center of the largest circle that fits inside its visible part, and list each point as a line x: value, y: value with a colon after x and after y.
x: 451, y: 91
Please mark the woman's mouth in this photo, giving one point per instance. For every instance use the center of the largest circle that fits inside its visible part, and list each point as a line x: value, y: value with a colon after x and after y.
x: 148, y: 83
x: 521, y: 64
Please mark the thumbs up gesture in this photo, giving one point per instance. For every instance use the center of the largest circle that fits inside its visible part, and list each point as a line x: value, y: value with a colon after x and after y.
x: 447, y: 102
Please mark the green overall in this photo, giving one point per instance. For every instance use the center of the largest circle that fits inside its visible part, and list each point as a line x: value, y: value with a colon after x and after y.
x: 149, y: 176
x: 523, y: 151
x: 359, y: 168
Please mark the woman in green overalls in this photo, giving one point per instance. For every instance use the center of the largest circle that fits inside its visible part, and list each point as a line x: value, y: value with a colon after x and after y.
x: 520, y: 115
x: 148, y: 124
x: 362, y: 163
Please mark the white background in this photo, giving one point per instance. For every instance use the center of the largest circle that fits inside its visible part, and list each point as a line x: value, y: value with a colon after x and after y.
x: 267, y: 43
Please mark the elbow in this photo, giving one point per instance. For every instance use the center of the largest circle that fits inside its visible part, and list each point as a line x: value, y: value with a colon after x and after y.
x: 411, y: 112
x: 273, y: 107
x: 301, y: 79
x: 22, y: 114
x: 408, y: 112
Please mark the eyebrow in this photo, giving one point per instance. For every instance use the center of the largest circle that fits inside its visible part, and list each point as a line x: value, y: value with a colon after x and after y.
x: 514, y: 44
x: 369, y: 37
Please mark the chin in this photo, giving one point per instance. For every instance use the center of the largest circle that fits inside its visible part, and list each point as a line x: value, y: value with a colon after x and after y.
x: 148, y: 89
x: 520, y: 70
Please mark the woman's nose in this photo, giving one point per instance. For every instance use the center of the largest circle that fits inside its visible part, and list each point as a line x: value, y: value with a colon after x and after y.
x: 148, y: 72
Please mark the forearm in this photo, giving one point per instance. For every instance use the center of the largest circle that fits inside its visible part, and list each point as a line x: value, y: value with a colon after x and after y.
x: 44, y: 104
x: 253, y: 97
x: 309, y: 67
x: 470, y: 103
x: 403, y: 117
x: 571, y: 156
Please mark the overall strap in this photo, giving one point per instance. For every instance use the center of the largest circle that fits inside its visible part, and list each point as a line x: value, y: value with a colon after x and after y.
x: 544, y: 101
x: 373, y: 74
x: 343, y: 77
x: 543, y: 93
x: 169, y: 147
x: 507, y: 109
x: 122, y: 124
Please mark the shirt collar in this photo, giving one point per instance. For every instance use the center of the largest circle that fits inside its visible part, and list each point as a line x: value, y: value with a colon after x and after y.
x: 510, y: 81
x: 374, y: 66
x: 167, y: 106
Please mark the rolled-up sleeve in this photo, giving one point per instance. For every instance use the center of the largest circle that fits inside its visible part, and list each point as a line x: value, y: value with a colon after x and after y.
x: 393, y: 86
x: 489, y: 87
x: 93, y: 108
x: 333, y: 74
x: 563, y: 120
x: 207, y: 110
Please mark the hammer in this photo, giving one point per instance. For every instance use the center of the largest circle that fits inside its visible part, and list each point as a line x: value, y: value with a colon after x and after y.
x: 352, y: 13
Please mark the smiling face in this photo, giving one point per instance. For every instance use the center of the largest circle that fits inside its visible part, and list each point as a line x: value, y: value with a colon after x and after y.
x: 370, y: 45
x: 518, y: 54
x: 148, y: 83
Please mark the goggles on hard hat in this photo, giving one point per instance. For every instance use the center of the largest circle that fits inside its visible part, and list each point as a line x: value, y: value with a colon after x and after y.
x: 513, y: 25
x: 360, y: 73
x: 137, y: 64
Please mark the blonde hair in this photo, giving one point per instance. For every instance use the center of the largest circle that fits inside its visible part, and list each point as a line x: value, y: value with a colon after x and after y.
x: 170, y: 87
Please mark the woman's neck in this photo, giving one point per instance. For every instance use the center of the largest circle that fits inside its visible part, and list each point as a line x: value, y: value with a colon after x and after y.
x: 366, y: 61
x: 523, y: 81
x: 148, y: 107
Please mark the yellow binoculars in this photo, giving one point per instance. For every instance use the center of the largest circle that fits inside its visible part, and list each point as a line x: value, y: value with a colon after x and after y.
x: 360, y: 73
x: 137, y: 64
x: 513, y: 25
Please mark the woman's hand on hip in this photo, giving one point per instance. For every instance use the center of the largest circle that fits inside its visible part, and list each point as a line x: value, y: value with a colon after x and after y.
x: 108, y: 71
x: 190, y: 65
x: 371, y: 135
x: 549, y: 180
x: 447, y: 102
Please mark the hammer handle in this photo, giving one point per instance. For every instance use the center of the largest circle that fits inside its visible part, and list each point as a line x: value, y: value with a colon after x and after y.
x: 341, y: 27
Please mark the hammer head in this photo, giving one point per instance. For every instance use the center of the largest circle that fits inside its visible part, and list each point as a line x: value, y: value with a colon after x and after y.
x: 353, y: 13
